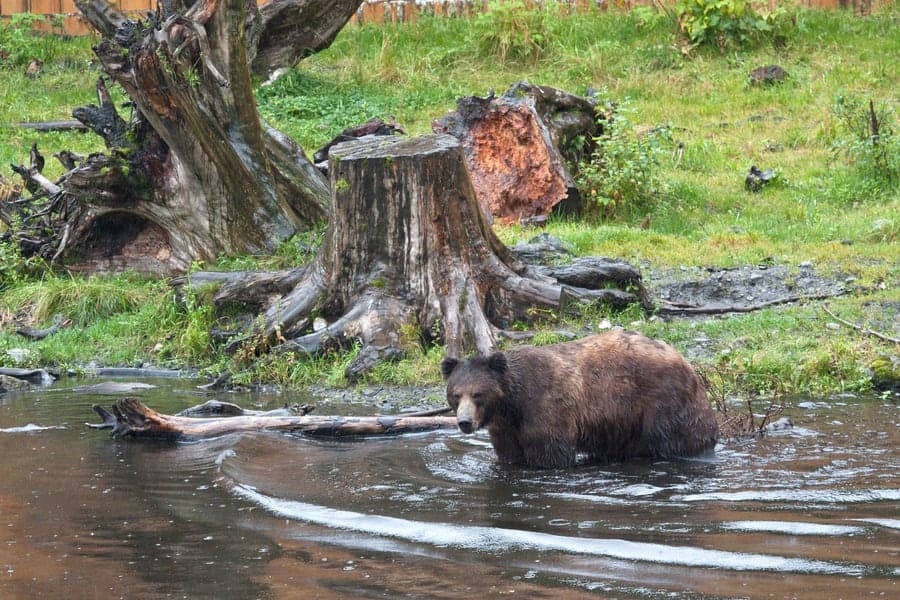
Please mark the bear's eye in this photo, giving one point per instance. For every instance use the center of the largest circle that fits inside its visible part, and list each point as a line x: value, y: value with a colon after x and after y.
x: 478, y: 397
x: 453, y: 399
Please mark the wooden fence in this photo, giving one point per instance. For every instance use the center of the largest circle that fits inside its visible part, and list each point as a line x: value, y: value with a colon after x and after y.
x: 378, y: 11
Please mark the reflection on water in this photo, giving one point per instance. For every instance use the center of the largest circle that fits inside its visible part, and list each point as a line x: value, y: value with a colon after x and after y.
x: 811, y: 512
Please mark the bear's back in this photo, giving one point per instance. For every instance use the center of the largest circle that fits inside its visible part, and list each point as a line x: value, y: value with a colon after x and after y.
x: 626, y: 394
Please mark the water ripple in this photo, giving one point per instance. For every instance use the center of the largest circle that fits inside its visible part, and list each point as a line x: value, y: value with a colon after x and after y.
x: 497, y: 539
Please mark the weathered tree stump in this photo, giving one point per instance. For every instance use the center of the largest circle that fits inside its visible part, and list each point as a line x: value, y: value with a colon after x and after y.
x: 192, y: 172
x: 408, y: 256
x: 517, y: 146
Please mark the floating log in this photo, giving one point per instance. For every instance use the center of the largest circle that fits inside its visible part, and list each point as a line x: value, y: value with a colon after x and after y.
x: 132, y: 418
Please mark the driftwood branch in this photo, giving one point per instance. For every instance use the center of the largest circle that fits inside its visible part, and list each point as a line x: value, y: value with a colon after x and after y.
x: 131, y: 418
x: 860, y: 328
x: 674, y: 308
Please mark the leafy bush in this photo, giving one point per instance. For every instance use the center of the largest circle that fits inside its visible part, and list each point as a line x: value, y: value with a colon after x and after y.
x: 511, y: 31
x: 19, y: 43
x: 16, y: 269
x: 621, y: 172
x: 868, y: 138
x: 731, y: 23
x: 10, y: 262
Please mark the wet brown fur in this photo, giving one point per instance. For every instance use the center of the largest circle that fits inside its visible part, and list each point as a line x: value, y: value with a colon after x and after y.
x: 614, y: 396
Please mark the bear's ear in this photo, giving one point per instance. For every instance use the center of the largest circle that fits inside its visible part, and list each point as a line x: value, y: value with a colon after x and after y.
x: 447, y: 365
x: 497, y: 362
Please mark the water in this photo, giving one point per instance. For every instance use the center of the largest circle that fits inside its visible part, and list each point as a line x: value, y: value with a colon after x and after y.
x: 809, y: 513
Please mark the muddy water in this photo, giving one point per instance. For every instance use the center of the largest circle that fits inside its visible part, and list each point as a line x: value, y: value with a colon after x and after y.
x: 812, y: 513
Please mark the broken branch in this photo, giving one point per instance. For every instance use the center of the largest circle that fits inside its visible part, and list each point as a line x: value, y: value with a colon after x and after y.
x: 860, y: 328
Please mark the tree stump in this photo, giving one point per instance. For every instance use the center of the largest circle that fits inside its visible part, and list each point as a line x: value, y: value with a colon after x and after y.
x: 192, y: 172
x: 408, y: 257
x: 517, y: 147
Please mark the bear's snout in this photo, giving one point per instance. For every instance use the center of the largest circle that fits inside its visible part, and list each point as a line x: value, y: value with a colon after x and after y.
x: 468, y: 418
x: 465, y: 424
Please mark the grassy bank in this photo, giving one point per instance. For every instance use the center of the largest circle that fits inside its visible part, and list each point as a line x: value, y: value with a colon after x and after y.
x: 828, y: 206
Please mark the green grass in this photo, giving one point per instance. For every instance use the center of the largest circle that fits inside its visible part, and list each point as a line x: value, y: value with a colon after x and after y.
x: 824, y: 207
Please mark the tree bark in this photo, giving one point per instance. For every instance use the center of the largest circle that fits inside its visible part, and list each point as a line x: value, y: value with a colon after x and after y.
x: 131, y: 418
x: 193, y: 172
x: 518, y: 147
x: 408, y: 257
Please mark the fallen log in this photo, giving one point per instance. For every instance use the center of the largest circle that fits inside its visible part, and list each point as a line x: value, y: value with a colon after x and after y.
x: 59, y: 322
x: 132, y: 418
x: 49, y: 126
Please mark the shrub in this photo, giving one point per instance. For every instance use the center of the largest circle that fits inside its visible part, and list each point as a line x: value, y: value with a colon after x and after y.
x: 731, y: 23
x: 16, y: 269
x: 10, y: 261
x: 510, y: 31
x: 621, y: 172
x: 868, y: 138
x: 19, y: 43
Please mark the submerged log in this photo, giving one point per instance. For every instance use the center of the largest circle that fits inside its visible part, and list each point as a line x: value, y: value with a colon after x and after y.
x: 132, y: 418
x: 517, y: 147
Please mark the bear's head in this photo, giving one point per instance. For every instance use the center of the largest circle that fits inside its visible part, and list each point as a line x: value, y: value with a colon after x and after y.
x: 474, y: 388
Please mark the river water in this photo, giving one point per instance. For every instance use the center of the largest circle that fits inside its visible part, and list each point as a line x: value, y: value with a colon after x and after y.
x: 813, y: 512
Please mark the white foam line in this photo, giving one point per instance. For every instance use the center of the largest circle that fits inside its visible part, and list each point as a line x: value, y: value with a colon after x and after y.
x: 890, y: 523
x: 496, y: 539
x: 826, y: 496
x: 792, y: 527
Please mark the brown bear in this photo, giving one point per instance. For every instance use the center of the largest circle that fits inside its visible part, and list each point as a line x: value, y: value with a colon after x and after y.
x: 613, y: 396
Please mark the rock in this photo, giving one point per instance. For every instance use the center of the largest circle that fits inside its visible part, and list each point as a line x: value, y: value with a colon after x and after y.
x: 886, y: 372
x: 8, y: 383
x: 35, y: 376
x: 782, y: 424
x: 541, y: 250
x: 21, y: 355
x: 767, y: 75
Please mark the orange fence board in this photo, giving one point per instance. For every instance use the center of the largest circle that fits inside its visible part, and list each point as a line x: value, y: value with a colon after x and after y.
x: 376, y: 11
x: 135, y: 5
x: 44, y: 7
x: 13, y: 7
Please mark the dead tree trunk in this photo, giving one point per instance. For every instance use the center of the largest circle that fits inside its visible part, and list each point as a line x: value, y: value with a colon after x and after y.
x: 518, y: 147
x: 193, y: 172
x: 408, y: 256
x: 130, y: 417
